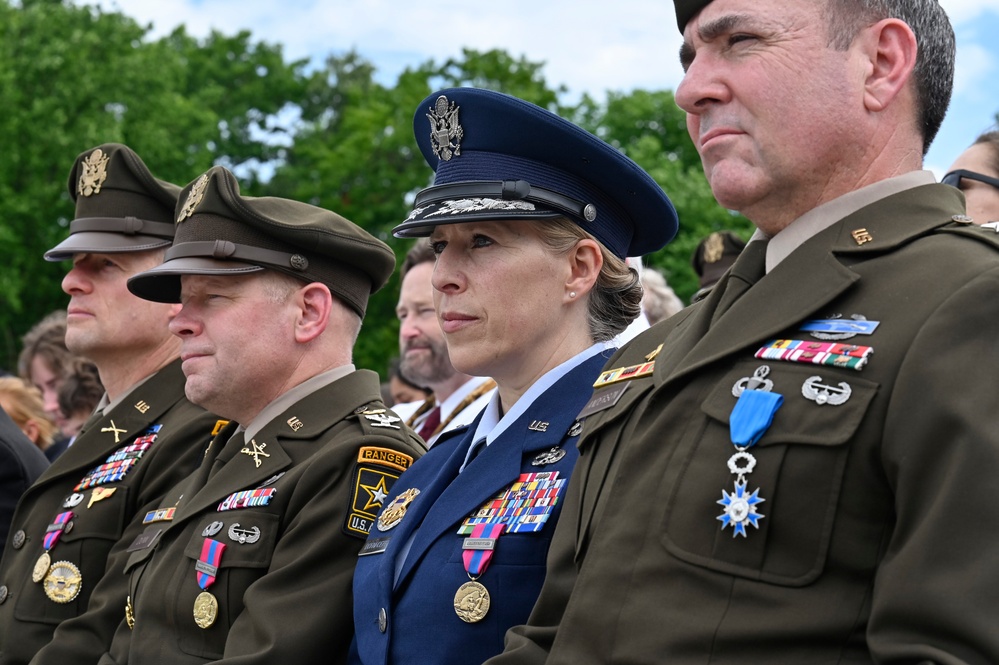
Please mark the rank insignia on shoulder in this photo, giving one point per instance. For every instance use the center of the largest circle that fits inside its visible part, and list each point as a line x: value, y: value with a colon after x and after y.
x: 849, y: 356
x: 219, y: 425
x: 383, y: 420
x: 371, y: 486
x: 620, y: 374
x: 384, y: 457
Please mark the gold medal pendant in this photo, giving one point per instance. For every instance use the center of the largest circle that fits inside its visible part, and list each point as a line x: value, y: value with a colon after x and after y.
x: 63, y: 582
x: 206, y: 610
x: 471, y: 602
x: 41, y: 568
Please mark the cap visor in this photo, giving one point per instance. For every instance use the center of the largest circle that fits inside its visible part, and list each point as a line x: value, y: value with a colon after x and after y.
x: 162, y: 283
x: 95, y: 242
x: 427, y: 219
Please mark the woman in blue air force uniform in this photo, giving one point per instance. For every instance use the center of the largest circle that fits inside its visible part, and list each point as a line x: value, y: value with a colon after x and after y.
x: 531, y: 218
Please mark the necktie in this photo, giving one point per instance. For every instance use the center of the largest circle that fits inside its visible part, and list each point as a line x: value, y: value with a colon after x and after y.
x: 747, y: 270
x: 430, y: 423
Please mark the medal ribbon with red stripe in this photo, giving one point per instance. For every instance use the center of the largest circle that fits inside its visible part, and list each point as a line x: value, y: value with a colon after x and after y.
x: 208, y: 563
x: 476, y: 560
x: 55, y: 529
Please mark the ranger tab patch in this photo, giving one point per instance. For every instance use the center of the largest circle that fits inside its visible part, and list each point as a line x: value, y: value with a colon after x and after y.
x: 384, y: 457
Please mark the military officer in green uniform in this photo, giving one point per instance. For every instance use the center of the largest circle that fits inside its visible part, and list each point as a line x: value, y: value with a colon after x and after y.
x: 255, y: 563
x: 801, y: 467
x: 145, y: 435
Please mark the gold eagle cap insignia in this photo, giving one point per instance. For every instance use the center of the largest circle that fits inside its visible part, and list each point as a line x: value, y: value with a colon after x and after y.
x: 193, y: 198
x: 95, y: 172
x: 445, y: 132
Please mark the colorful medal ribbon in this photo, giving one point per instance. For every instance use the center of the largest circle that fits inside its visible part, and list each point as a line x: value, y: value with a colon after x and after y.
x: 477, y: 560
x: 525, y: 506
x: 55, y: 529
x: 751, y: 418
x: 208, y: 563
x: 850, y: 356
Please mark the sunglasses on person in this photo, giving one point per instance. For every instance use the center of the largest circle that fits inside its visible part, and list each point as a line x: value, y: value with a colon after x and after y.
x: 954, y: 178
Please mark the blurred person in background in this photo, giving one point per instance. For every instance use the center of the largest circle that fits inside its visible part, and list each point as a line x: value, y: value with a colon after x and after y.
x: 659, y: 301
x: 23, y: 403
x: 976, y: 173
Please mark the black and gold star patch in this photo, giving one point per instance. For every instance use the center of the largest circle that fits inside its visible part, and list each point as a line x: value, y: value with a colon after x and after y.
x: 370, y: 488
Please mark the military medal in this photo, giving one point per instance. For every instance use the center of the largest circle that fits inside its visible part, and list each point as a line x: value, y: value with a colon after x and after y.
x: 206, y: 606
x: 129, y: 613
x: 206, y: 610
x: 471, y: 601
x: 52, y: 533
x: 63, y: 582
x: 396, y: 510
x: 41, y: 568
x: 751, y: 417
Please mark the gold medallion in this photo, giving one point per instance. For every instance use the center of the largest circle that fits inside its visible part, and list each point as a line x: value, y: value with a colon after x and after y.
x: 63, y: 582
x: 471, y: 602
x: 41, y: 568
x: 206, y: 610
x: 396, y: 510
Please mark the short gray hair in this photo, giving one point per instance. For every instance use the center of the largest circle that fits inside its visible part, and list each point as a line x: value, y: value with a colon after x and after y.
x: 616, y: 298
x: 934, y: 72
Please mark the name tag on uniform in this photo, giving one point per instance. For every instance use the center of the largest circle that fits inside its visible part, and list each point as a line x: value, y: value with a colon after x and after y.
x: 145, y: 540
x: 602, y: 399
x: 375, y: 546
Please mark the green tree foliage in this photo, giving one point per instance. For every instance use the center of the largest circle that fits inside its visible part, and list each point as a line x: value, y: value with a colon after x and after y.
x: 335, y: 136
x: 73, y: 77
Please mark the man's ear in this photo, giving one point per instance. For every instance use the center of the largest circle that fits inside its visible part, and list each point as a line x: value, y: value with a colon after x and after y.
x: 315, y: 303
x: 891, y: 48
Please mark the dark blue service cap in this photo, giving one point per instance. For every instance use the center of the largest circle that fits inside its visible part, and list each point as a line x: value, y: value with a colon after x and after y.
x: 498, y: 157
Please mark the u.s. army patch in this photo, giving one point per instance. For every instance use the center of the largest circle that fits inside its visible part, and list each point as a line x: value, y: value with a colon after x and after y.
x: 370, y: 487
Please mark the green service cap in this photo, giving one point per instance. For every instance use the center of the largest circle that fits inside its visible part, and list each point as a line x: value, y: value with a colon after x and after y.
x: 120, y: 206
x: 220, y: 232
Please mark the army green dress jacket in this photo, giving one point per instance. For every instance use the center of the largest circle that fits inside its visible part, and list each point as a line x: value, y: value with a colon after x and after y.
x: 877, y: 537
x: 67, y: 526
x: 255, y: 562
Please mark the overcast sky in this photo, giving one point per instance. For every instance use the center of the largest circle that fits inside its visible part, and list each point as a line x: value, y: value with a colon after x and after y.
x: 587, y: 46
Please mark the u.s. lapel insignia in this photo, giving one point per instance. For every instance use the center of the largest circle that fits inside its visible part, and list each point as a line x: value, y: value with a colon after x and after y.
x: 538, y: 426
x: 445, y: 132
x: 549, y: 457
x: 114, y: 429
x: 256, y: 452
x: 861, y: 236
x: 94, y: 173
x: 758, y: 381
x: 193, y: 198
x: 813, y: 389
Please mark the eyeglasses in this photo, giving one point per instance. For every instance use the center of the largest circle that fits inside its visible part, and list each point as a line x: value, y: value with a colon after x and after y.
x: 954, y: 178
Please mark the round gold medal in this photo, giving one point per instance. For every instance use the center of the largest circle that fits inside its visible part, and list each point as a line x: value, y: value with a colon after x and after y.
x: 471, y: 602
x: 206, y: 610
x: 63, y: 582
x: 41, y: 568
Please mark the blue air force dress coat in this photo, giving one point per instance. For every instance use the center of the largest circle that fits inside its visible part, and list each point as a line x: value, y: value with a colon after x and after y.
x: 250, y: 560
x: 21, y: 462
x: 877, y: 538
x: 414, y: 620
x: 84, y: 503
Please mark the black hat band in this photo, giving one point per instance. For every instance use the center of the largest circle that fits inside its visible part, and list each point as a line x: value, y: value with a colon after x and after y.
x: 130, y: 226
x: 508, y: 190
x: 229, y: 251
